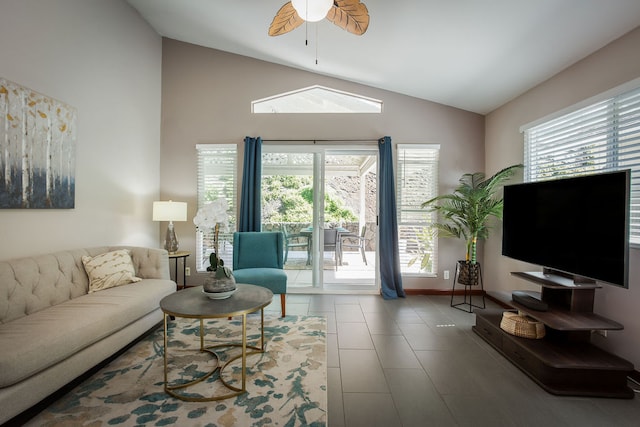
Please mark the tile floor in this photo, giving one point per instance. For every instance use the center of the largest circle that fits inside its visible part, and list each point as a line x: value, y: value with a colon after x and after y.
x: 353, y: 274
x: 415, y: 362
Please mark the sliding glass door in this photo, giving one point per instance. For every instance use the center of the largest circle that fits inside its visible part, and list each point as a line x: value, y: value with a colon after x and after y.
x: 288, y: 205
x: 324, y: 200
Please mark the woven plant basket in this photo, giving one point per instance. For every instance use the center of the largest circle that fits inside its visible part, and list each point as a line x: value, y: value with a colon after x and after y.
x: 468, y: 274
x: 521, y: 326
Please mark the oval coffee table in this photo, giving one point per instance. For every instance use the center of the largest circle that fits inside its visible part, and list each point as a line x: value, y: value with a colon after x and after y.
x: 192, y: 303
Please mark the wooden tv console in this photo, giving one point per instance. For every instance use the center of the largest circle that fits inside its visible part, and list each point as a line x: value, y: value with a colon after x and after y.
x: 564, y: 362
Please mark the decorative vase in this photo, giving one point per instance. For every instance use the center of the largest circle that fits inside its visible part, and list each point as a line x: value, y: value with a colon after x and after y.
x: 221, y: 280
x: 468, y: 273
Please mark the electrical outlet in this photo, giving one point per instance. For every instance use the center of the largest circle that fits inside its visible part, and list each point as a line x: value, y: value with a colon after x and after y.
x: 187, y: 271
x: 446, y: 275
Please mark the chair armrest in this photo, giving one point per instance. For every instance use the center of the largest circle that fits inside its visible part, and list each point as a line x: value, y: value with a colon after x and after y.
x: 293, y: 236
x: 351, y: 236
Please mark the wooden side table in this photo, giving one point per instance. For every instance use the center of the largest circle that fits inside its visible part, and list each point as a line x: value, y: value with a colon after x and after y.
x: 175, y: 256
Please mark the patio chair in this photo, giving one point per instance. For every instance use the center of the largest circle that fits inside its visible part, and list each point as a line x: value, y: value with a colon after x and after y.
x: 257, y: 260
x: 353, y: 241
x: 292, y: 241
x: 331, y: 244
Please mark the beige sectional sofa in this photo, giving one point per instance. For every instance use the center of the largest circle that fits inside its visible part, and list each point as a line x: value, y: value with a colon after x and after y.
x: 53, y: 329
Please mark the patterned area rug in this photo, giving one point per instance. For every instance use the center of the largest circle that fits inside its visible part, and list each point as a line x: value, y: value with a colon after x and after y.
x: 286, y: 385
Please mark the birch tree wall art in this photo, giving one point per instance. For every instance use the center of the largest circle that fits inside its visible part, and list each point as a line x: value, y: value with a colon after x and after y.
x: 37, y: 149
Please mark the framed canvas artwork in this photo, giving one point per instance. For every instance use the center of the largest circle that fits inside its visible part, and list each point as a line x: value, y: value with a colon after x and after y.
x: 37, y: 150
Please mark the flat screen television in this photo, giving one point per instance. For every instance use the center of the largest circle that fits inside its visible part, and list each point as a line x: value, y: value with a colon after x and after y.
x: 577, y: 226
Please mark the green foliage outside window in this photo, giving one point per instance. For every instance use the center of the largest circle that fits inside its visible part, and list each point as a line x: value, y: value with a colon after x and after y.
x: 420, y: 248
x: 289, y: 199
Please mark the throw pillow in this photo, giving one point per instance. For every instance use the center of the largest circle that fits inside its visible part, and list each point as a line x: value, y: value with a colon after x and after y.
x: 109, y: 270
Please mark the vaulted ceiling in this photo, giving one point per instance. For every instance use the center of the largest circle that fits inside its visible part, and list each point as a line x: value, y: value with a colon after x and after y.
x: 471, y: 54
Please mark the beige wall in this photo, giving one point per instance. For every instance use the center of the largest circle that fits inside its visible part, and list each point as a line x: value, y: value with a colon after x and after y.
x: 615, y: 64
x: 206, y: 98
x: 103, y: 59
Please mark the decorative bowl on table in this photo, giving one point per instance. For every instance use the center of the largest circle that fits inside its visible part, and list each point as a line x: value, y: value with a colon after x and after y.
x: 219, y: 295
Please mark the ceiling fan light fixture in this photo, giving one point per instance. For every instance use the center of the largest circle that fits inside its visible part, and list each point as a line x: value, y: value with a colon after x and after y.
x: 312, y: 10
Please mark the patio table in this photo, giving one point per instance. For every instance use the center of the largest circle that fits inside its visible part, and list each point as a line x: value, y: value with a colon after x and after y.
x: 342, y: 232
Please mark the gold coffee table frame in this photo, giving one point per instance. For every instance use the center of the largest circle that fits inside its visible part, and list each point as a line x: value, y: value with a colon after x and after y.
x: 192, y: 303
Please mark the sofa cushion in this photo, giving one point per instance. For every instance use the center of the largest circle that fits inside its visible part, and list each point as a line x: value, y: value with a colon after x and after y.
x: 109, y: 270
x: 35, y: 342
x: 274, y: 279
x: 31, y: 284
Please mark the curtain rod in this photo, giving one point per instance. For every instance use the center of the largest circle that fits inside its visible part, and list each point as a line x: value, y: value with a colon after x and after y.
x: 320, y: 140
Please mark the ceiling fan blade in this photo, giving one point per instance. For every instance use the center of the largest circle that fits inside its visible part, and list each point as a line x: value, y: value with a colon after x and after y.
x: 286, y: 19
x: 350, y: 15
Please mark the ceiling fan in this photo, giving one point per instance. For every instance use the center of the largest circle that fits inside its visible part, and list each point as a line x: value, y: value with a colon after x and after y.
x: 350, y: 15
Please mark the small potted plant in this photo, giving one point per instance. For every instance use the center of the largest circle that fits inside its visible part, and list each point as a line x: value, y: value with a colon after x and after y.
x: 210, y: 217
x: 465, y: 214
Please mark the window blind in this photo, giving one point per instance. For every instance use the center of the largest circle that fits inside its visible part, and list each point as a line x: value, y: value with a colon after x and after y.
x: 217, y: 170
x: 417, y: 182
x: 601, y: 137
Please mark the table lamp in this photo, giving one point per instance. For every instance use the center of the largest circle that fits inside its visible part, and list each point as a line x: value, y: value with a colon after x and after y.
x: 170, y: 211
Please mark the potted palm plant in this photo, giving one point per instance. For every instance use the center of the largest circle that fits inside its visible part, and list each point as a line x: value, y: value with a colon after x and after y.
x: 465, y: 214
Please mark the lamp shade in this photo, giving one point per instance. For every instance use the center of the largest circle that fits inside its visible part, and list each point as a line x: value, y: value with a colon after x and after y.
x: 312, y: 10
x: 169, y: 211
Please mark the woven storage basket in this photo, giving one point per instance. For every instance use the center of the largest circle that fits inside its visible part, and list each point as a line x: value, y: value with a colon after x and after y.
x: 521, y: 326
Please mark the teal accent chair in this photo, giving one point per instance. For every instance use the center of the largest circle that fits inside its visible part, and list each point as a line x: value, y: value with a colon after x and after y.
x: 258, y: 260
